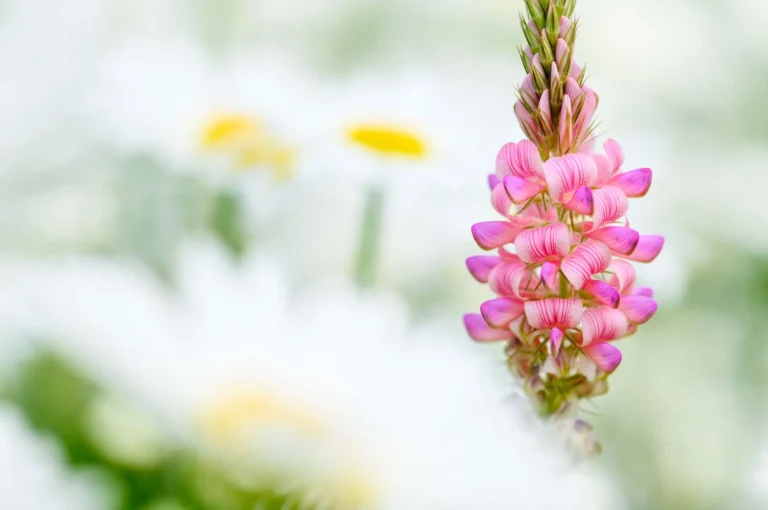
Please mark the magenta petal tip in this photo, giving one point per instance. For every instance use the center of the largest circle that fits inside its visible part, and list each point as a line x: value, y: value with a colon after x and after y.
x: 604, y: 355
x: 480, y: 266
x: 582, y: 201
x: 490, y: 235
x: 499, y: 312
x: 647, y: 249
x: 480, y: 331
x: 638, y: 309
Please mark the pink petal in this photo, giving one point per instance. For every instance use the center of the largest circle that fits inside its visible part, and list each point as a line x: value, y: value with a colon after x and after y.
x: 648, y: 248
x: 505, y: 159
x: 604, y: 355
x: 610, y: 204
x: 643, y: 291
x: 499, y: 312
x: 587, y: 110
x: 566, y: 124
x: 555, y: 341
x: 582, y: 202
x: 500, y: 200
x: 554, y: 313
x: 521, y: 190
x: 604, y: 168
x: 634, y: 184
x: 549, y: 274
x: 528, y: 162
x: 638, y: 309
x: 603, y: 324
x: 615, y: 154
x: 493, y: 181
x: 575, y: 71
x: 506, y: 278
x: 623, y: 277
x: 528, y: 92
x: 565, y: 24
x: 572, y: 90
x: 603, y: 293
x: 588, y: 258
x: 480, y: 331
x: 545, y: 111
x: 568, y: 173
x: 527, y: 122
x: 493, y: 234
x: 620, y: 240
x: 480, y: 266
x: 543, y: 243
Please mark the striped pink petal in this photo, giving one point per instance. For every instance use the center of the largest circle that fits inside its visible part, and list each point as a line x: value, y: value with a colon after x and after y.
x: 603, y: 324
x: 506, y: 278
x: 480, y: 266
x: 480, y: 331
x: 505, y: 159
x: 621, y: 240
x: 643, y: 291
x: 555, y: 341
x: 520, y: 190
x: 588, y: 258
x: 554, y: 313
x: 615, y: 153
x: 568, y: 173
x: 623, y: 277
x: 603, y: 293
x: 549, y: 274
x: 604, y: 355
x: 588, y: 109
x: 604, y: 168
x: 638, y: 309
x: 493, y: 234
x: 610, y: 204
x: 634, y: 184
x: 499, y: 312
x: 648, y: 248
x: 582, y: 202
x: 528, y: 161
x: 543, y: 243
x: 500, y: 200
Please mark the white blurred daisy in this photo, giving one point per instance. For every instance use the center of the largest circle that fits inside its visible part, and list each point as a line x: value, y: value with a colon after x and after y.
x: 329, y: 388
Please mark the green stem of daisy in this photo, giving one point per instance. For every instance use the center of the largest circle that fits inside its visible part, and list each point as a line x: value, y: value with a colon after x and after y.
x: 370, y: 235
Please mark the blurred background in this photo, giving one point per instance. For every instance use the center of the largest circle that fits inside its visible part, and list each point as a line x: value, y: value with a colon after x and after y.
x: 149, y: 147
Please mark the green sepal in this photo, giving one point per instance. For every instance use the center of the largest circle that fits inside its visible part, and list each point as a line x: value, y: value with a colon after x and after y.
x: 536, y: 12
x: 552, y: 23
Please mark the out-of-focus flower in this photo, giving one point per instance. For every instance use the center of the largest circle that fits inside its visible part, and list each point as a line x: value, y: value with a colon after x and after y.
x: 349, y: 403
x: 388, y: 140
x: 33, y: 475
x: 568, y: 290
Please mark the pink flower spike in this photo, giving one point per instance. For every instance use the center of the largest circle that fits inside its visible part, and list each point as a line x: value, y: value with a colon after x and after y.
x: 643, y: 291
x: 555, y: 341
x: 603, y: 293
x: 582, y: 202
x: 604, y: 355
x: 506, y: 278
x: 568, y: 173
x: 490, y: 235
x: 500, y: 200
x: 480, y: 266
x: 589, y: 258
x: 610, y: 204
x: 493, y: 181
x: 549, y: 274
x: 621, y: 240
x: 543, y: 243
x: 623, y: 275
x: 603, y: 324
x: 638, y: 309
x: 499, y: 312
x: 554, y: 313
x: 480, y: 331
x: 648, y: 248
x: 634, y: 184
x: 614, y: 153
x: 520, y: 190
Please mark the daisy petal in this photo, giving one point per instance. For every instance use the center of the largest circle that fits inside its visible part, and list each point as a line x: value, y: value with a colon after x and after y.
x: 634, y: 184
x: 603, y: 324
x: 499, y: 312
x: 494, y: 234
x: 582, y: 201
x: 543, y: 243
x: 648, y: 248
x: 554, y: 312
x: 621, y: 240
x: 480, y: 331
x: 568, y: 173
x: 588, y: 258
x: 610, y: 204
x: 604, y: 355
x: 480, y: 266
x: 638, y: 309
x: 603, y: 293
x: 521, y: 190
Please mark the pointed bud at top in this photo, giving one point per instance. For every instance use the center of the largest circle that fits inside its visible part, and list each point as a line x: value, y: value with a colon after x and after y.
x: 568, y: 8
x: 539, y: 76
x: 566, y: 125
x: 563, y: 56
x: 565, y: 24
x: 556, y: 86
x: 570, y: 35
x: 526, y: 56
x: 552, y: 23
x: 530, y: 35
x: 536, y: 12
x: 528, y: 93
x: 545, y: 113
x: 547, y: 53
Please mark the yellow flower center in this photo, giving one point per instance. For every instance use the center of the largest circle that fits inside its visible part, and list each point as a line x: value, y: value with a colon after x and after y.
x: 388, y: 140
x: 248, y: 142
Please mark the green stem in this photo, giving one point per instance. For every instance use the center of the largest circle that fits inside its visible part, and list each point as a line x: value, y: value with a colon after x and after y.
x: 370, y: 235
